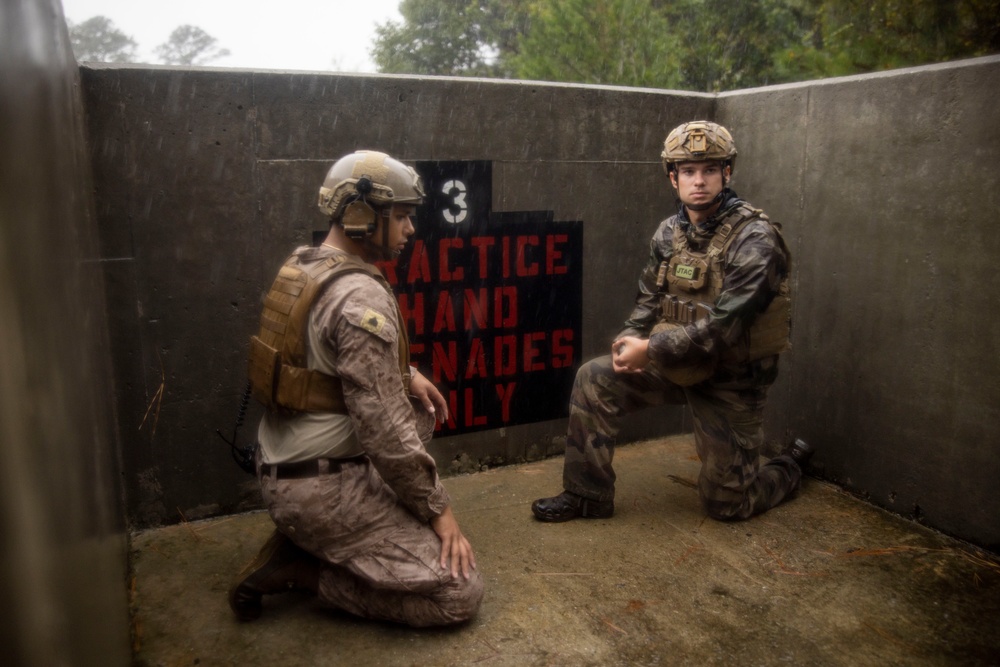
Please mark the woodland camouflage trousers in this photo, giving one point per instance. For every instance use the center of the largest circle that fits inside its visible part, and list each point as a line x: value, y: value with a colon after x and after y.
x: 728, y: 433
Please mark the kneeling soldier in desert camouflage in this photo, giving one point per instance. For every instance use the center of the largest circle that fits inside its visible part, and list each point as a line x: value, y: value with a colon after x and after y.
x: 711, y: 315
x: 361, y: 518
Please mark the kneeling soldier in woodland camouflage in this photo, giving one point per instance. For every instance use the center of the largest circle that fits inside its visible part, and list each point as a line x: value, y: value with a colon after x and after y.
x: 711, y: 316
x: 362, y: 519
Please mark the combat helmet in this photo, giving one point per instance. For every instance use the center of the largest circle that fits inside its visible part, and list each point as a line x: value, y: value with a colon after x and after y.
x: 698, y: 141
x: 361, y: 185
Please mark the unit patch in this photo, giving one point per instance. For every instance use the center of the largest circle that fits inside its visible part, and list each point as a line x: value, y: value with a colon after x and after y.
x: 372, y: 321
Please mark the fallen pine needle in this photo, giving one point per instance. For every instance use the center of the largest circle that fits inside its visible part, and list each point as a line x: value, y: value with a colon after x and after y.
x: 157, y: 399
x: 683, y: 557
x: 947, y: 551
x: 885, y: 634
x: 188, y: 525
x: 613, y: 626
x: 682, y: 481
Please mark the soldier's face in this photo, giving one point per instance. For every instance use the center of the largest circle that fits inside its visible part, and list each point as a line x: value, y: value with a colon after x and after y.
x: 697, y: 183
x: 398, y: 228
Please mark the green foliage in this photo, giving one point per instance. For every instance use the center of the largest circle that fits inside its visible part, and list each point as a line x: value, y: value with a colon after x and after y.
x: 840, y: 37
x: 189, y: 45
x: 726, y: 45
x: 451, y: 37
x: 707, y: 45
x: 98, y: 40
x: 623, y: 42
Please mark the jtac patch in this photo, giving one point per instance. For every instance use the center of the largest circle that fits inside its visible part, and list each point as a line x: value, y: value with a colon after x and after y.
x: 372, y: 321
x: 686, y: 272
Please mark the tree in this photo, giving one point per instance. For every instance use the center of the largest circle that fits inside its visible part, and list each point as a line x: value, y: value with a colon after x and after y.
x: 622, y: 42
x: 840, y: 37
x: 705, y: 45
x: 190, y: 45
x: 98, y: 40
x: 451, y: 37
x: 726, y: 45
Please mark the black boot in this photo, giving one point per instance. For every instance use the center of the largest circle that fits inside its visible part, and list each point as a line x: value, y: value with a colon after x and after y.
x: 279, y: 567
x: 568, y: 506
x: 799, y: 451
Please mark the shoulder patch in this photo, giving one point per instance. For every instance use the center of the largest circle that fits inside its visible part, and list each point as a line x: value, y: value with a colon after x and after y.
x: 369, y: 309
x: 372, y: 321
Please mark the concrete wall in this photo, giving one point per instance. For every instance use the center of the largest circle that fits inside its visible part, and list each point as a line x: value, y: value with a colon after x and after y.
x: 889, y: 186
x: 205, y: 179
x: 63, y: 560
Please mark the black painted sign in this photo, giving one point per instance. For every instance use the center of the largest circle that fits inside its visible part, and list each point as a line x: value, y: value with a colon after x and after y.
x: 492, y: 301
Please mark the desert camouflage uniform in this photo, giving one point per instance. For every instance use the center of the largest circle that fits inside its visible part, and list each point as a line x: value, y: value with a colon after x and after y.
x: 727, y: 408
x: 366, y: 517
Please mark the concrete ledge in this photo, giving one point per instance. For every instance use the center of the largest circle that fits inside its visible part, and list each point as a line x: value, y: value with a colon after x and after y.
x: 822, y: 580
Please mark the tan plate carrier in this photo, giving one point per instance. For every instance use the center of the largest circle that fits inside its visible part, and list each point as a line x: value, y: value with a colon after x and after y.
x: 278, y: 373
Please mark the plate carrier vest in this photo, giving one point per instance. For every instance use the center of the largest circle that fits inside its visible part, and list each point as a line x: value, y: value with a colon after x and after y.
x: 279, y: 377
x: 693, y: 281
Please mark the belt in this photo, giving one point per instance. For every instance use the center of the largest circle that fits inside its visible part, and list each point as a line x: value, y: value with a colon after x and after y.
x: 306, y: 469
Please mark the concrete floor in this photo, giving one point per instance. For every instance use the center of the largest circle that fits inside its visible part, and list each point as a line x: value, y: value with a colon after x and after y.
x: 822, y: 580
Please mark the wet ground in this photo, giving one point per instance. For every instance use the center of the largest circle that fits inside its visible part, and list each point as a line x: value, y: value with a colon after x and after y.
x: 823, y: 580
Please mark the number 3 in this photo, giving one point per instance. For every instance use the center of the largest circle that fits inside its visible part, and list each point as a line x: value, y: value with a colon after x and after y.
x: 456, y: 190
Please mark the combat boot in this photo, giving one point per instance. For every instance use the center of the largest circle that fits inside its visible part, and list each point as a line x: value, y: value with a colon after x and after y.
x: 568, y: 505
x: 279, y: 567
x: 799, y: 451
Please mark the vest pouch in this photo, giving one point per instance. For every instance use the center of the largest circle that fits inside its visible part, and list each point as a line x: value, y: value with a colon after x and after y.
x: 684, y: 376
x: 772, y: 331
x: 769, y: 335
x: 681, y: 311
x: 263, y: 369
x: 305, y: 390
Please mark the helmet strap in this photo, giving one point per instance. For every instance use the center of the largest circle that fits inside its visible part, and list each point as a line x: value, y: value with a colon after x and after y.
x: 707, y: 205
x: 386, y: 216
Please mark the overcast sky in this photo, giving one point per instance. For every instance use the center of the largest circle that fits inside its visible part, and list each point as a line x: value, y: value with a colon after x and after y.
x: 260, y: 34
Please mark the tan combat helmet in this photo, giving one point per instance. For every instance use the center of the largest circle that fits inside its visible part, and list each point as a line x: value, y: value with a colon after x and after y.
x: 698, y: 141
x: 359, y: 183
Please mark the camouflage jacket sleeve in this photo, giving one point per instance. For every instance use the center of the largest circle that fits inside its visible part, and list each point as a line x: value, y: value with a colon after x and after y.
x: 360, y: 324
x: 647, y: 302
x: 754, y: 266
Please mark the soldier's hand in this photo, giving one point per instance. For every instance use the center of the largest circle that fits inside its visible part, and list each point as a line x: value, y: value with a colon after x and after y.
x: 456, y: 551
x: 629, y: 354
x: 429, y: 396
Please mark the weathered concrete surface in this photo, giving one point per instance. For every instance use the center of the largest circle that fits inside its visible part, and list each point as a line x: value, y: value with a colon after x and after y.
x: 893, y: 368
x: 823, y: 580
x: 61, y: 510
x: 205, y: 178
